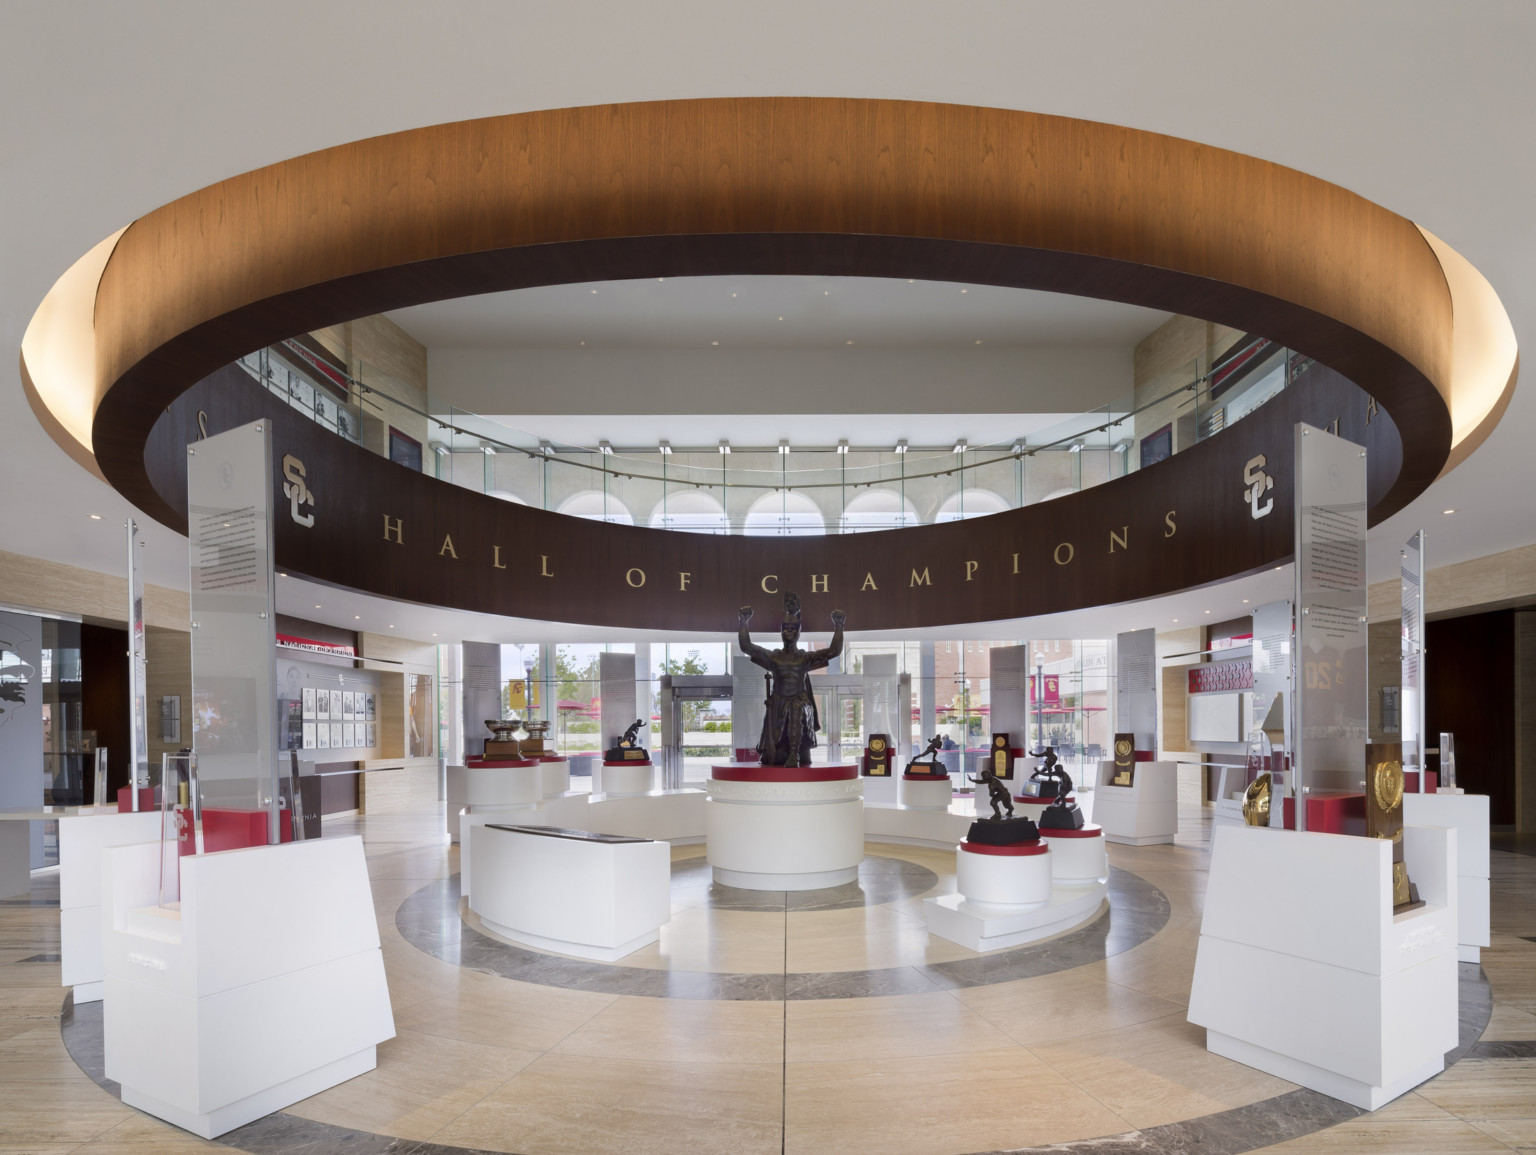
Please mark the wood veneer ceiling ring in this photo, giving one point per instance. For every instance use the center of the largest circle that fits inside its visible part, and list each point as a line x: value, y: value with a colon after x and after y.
x: 804, y: 185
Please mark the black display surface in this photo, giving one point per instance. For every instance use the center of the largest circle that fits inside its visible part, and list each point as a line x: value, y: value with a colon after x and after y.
x: 1002, y: 832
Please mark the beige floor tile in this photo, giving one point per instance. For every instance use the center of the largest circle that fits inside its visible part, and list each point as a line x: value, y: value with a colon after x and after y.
x: 1158, y: 1072
x: 1509, y: 1023
x: 1369, y: 1135
x: 1480, y: 1089
x: 991, y: 1100
x: 422, y: 1083
x: 503, y: 1013
x: 1066, y: 1005
x: 577, y: 1104
x: 893, y: 1027
x: 145, y: 1135
x: 1155, y: 968
x: 1519, y: 1133
x: 681, y: 1031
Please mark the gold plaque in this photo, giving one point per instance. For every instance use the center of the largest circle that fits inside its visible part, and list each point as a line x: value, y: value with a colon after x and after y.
x: 1387, y: 784
x: 876, y: 744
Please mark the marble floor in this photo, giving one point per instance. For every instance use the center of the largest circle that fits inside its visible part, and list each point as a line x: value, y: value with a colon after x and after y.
x: 831, y: 1024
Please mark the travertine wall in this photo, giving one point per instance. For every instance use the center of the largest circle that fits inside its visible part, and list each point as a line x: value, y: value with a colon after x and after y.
x: 398, y: 785
x: 393, y: 364
x: 50, y: 585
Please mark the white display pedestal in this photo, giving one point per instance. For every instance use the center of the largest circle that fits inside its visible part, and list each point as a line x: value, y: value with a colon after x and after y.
x: 881, y: 789
x: 569, y: 811
x: 625, y: 778
x: 1078, y: 857
x: 774, y: 828
x: 1304, y: 972
x: 82, y: 839
x: 557, y: 776
x: 924, y: 791
x: 267, y: 989
x: 16, y: 842
x: 1145, y: 812
x: 1468, y: 813
x: 454, y: 795
x: 506, y: 784
x: 1006, y: 898
x: 592, y: 896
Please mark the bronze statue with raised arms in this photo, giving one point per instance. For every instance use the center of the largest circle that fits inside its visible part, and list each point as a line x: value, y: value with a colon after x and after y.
x: 791, y: 720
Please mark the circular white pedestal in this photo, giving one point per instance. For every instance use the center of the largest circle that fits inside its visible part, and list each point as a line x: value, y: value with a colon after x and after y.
x: 507, y: 784
x: 1078, y: 857
x: 765, y: 833
x: 626, y: 778
x: 1018, y: 876
x: 556, y: 776
x: 1028, y: 808
x: 925, y: 791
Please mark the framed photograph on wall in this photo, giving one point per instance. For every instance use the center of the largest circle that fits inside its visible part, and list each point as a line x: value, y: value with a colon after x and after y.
x: 348, y: 705
x: 335, y: 731
x: 309, y: 732
x: 309, y: 703
x: 347, y: 735
x: 322, y: 735
x: 368, y: 707
x: 373, y: 735
x: 335, y: 705
x: 322, y: 705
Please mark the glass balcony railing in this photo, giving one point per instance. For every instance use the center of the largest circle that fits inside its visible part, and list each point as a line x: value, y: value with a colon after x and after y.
x: 784, y: 489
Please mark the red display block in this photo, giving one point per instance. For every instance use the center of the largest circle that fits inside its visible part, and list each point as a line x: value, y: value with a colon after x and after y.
x: 1040, y: 801
x: 1331, y: 813
x: 125, y: 799
x: 1145, y: 756
x: 1411, y: 781
x: 746, y: 753
x: 498, y: 763
x: 1088, y: 830
x: 924, y: 777
x: 225, y: 828
x: 1216, y: 677
x: 630, y: 762
x: 1017, y: 850
x: 737, y: 773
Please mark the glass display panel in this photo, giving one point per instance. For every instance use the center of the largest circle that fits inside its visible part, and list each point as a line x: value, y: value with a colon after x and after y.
x: 1331, y: 689
x: 1411, y: 702
x: 229, y: 527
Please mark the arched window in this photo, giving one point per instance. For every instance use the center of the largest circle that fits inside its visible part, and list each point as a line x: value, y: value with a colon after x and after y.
x: 691, y: 511
x: 784, y: 514
x: 595, y: 505
x: 878, y: 509
x: 971, y: 503
x: 505, y: 495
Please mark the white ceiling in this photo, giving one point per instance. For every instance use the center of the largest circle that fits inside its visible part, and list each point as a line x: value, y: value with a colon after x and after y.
x: 1426, y: 108
x: 773, y: 313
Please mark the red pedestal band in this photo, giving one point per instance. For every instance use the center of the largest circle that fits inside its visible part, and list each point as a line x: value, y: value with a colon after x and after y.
x: 125, y: 799
x: 1017, y: 850
x: 1040, y: 801
x: 1333, y: 813
x: 552, y: 758
x: 1088, y: 831
x: 923, y: 777
x: 784, y: 773
x: 1145, y: 756
x: 499, y: 763
x: 630, y: 762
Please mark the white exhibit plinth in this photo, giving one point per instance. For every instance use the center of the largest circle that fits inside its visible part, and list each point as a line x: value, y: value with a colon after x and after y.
x: 1078, y: 857
x: 881, y: 789
x: 591, y: 896
x: 488, y: 787
x: 266, y: 987
x: 1014, y: 876
x: 924, y: 791
x: 569, y: 810
x: 1005, y: 897
x: 624, y: 778
x: 1144, y: 813
x: 557, y: 776
x: 1468, y: 813
x: 775, y: 828
x: 1304, y: 972
x: 82, y: 838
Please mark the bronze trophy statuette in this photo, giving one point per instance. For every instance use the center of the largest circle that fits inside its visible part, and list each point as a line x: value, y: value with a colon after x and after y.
x: 1001, y: 829
x: 928, y: 761
x: 628, y: 748
x: 1256, y: 800
x: 790, y: 719
x: 1062, y: 814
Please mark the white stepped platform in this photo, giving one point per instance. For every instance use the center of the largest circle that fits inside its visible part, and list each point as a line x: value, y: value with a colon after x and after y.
x: 1144, y: 813
x: 985, y: 927
x: 82, y: 839
x: 1468, y: 813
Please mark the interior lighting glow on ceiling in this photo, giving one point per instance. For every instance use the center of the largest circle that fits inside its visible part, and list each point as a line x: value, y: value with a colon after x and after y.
x: 842, y: 446
x: 784, y: 448
x: 1075, y: 447
x: 665, y: 448
x: 901, y: 446
x: 488, y: 450
x: 1449, y: 511
x: 95, y: 517
x: 725, y: 446
x: 960, y: 446
x: 606, y: 448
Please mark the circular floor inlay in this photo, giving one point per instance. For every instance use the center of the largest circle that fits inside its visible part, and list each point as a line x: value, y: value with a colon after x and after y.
x: 880, y: 880
x: 433, y: 921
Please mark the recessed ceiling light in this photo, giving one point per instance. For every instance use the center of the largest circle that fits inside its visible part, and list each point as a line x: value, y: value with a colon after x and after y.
x: 95, y: 517
x: 1245, y: 601
x: 317, y: 607
x: 434, y: 635
x: 911, y: 282
x: 733, y: 294
x: 594, y: 292
x: 1175, y: 621
x: 391, y: 627
x: 282, y: 575
x: 357, y: 617
x: 583, y: 342
x: 1207, y: 611
x: 825, y: 292
x: 781, y: 318
x: 978, y: 340
x: 1450, y: 511
x: 714, y: 342
x: 965, y: 290
x: 850, y: 342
